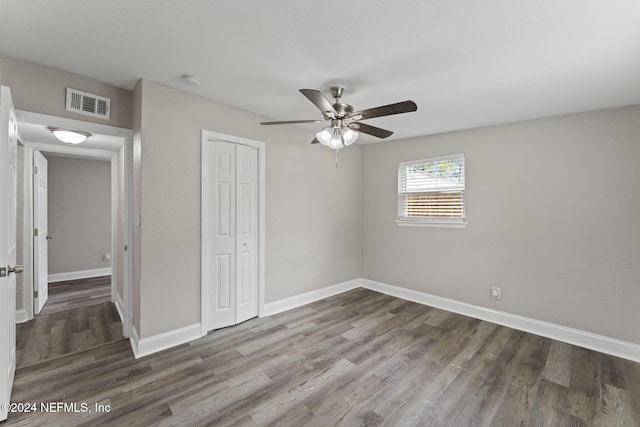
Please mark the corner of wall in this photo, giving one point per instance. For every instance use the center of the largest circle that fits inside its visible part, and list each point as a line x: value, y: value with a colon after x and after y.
x: 1, y: 67
x: 145, y: 346
x: 361, y: 214
x: 136, y: 202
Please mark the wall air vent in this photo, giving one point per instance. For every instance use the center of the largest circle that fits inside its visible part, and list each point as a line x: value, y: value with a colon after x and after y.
x: 88, y: 104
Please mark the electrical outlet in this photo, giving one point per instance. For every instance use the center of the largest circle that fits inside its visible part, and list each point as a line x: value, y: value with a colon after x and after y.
x: 496, y: 293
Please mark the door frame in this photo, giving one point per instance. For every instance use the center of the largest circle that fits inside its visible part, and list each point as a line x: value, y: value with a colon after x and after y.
x: 209, y: 137
x: 36, y: 261
x: 124, y: 307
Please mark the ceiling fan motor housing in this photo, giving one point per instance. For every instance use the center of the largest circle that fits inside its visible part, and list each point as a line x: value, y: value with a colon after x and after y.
x: 343, y: 110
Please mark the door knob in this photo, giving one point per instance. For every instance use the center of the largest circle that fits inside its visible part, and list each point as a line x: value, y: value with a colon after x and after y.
x: 17, y: 269
x: 49, y: 237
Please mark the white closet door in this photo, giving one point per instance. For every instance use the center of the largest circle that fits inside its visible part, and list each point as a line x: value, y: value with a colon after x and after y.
x: 232, y: 186
x: 247, y: 233
x: 223, y: 265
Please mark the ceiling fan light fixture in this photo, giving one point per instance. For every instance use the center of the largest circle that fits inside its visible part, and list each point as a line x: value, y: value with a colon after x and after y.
x: 324, y: 136
x: 336, y: 142
x: 349, y: 136
x: 70, y: 136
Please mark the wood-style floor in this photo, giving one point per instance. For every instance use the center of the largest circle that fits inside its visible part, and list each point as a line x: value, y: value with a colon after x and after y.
x: 355, y: 359
x: 78, y: 315
x: 77, y: 293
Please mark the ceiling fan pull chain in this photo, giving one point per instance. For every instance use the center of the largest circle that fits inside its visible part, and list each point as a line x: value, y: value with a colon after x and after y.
x: 337, y: 151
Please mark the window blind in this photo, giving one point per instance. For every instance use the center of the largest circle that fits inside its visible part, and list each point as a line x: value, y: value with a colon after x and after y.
x: 432, y: 189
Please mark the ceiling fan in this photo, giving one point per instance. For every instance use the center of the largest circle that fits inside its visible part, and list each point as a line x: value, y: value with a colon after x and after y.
x: 344, y: 123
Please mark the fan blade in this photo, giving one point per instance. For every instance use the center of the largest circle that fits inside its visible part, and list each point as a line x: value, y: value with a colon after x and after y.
x: 319, y: 101
x: 385, y: 110
x: 290, y: 122
x: 315, y: 141
x: 371, y: 130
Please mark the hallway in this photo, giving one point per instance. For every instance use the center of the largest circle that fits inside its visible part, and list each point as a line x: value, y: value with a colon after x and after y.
x: 78, y: 316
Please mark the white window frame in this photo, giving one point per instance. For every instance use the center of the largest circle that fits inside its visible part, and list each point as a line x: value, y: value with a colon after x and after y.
x: 430, y: 222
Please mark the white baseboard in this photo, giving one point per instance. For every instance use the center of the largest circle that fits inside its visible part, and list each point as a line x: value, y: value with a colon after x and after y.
x: 309, y: 297
x: 21, y: 316
x: 573, y: 336
x: 145, y: 346
x: 82, y: 274
x: 134, y: 339
x: 119, y: 303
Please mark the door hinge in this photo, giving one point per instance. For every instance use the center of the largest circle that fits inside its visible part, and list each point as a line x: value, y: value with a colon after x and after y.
x: 35, y: 232
x: 35, y: 170
x: 35, y: 294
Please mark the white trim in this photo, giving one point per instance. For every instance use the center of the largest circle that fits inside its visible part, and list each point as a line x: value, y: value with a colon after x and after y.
x: 603, y: 344
x: 73, y: 151
x: 432, y: 159
x: 208, y: 136
x: 27, y: 233
x: 127, y: 258
x: 309, y: 297
x: 81, y: 274
x: 119, y: 307
x: 134, y: 339
x: 145, y: 346
x: 440, y: 224
x: 116, y: 227
x: 21, y: 316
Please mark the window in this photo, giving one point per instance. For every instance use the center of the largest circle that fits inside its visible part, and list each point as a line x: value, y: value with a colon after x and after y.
x: 431, y: 192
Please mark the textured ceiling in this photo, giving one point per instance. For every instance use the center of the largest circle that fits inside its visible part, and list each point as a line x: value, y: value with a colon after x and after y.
x: 466, y: 63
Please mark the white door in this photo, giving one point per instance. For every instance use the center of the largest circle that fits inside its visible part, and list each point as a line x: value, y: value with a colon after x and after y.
x: 246, y: 233
x: 223, y: 272
x: 8, y: 175
x: 40, y: 240
x: 231, y: 203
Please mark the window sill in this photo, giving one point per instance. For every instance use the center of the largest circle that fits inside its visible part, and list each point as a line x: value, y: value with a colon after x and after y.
x: 438, y: 224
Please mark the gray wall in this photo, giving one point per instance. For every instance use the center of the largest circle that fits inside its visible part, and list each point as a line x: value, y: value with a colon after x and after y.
x: 42, y: 89
x: 312, y: 212
x: 79, y: 196
x: 136, y: 226
x: 552, y: 209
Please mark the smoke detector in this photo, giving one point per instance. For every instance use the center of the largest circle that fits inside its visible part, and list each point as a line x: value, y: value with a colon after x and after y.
x: 190, y: 81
